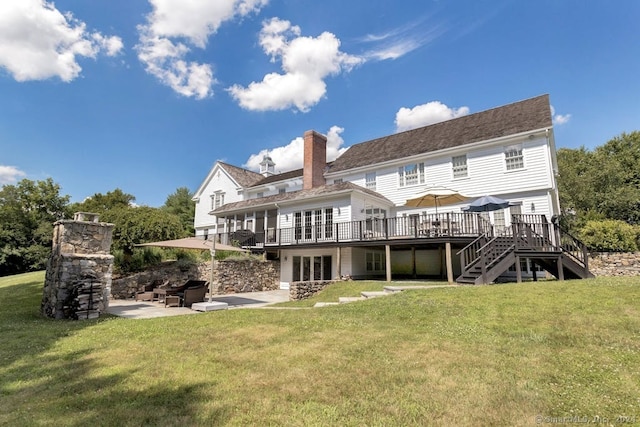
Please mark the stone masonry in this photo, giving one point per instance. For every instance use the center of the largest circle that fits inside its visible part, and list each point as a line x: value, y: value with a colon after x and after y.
x: 78, y: 279
x: 615, y: 263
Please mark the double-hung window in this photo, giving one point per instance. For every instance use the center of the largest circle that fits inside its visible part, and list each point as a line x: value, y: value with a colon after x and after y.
x: 370, y: 181
x: 513, y: 157
x: 459, y: 165
x: 411, y: 174
x: 217, y: 200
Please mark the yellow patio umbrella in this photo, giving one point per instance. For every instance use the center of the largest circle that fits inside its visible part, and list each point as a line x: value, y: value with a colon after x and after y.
x: 434, y: 197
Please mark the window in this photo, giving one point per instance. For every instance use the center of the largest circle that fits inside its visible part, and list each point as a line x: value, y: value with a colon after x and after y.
x: 337, y: 181
x: 282, y: 190
x: 411, y: 174
x: 499, y: 221
x: 308, y: 225
x: 513, y: 157
x: 370, y: 181
x: 459, y: 164
x: 217, y: 200
x: 316, y: 267
x: 328, y: 223
x: 318, y: 223
x: 375, y: 261
x: 297, y: 224
x: 259, y: 195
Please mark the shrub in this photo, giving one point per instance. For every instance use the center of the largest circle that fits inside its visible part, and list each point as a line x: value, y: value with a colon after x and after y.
x: 610, y: 236
x: 140, y: 260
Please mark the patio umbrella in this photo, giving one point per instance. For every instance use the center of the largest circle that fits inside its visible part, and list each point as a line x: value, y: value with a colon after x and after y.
x: 192, y: 243
x: 195, y: 243
x: 486, y: 204
x: 434, y: 197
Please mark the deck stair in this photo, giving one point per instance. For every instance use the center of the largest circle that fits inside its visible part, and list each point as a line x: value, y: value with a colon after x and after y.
x: 529, y: 237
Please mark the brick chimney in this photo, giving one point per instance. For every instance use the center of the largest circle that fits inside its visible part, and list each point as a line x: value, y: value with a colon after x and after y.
x: 315, y: 159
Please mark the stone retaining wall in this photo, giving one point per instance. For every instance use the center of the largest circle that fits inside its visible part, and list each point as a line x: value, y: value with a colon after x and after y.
x: 248, y: 275
x: 126, y: 287
x: 615, y: 263
x: 231, y: 276
x: 303, y: 290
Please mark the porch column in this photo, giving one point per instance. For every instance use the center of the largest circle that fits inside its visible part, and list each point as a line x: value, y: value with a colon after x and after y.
x: 449, y: 262
x: 339, y: 261
x: 387, y: 253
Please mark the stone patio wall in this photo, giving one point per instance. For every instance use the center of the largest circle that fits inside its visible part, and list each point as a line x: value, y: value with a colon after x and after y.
x: 303, y: 290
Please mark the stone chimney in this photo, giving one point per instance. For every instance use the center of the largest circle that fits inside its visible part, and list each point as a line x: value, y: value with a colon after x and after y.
x: 315, y: 159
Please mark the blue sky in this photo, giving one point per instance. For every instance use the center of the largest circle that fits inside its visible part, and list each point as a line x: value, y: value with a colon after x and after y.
x: 146, y: 95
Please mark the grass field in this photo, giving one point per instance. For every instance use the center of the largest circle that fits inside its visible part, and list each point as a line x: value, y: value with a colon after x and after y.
x: 487, y: 355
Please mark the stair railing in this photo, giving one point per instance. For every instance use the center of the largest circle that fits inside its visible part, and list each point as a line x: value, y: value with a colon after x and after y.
x: 573, y: 247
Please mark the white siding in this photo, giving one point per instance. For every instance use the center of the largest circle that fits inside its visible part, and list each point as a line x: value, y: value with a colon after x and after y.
x: 219, y: 180
x: 487, y: 174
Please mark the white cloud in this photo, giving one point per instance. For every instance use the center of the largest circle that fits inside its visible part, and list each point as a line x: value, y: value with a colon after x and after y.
x: 192, y: 22
x: 38, y: 42
x: 559, y: 119
x: 306, y: 62
x: 290, y: 156
x: 426, y: 114
x: 401, y: 40
x: 10, y: 174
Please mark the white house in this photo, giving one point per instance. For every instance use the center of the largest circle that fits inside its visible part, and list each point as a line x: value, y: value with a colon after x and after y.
x: 350, y: 217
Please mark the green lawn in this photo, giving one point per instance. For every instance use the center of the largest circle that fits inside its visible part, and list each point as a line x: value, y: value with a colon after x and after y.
x: 487, y: 355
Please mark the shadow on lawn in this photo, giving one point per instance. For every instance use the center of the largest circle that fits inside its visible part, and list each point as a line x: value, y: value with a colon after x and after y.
x: 39, y: 388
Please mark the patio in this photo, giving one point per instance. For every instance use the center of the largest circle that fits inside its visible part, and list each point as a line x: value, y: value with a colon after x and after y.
x: 132, y: 309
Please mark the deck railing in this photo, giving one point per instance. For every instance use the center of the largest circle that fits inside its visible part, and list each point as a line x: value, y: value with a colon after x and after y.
x: 406, y: 227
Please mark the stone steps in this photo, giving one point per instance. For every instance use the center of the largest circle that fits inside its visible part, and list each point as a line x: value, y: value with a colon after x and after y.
x: 388, y: 290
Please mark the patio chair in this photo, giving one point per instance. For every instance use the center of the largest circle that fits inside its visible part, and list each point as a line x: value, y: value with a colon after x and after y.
x: 194, y: 294
x: 145, y: 293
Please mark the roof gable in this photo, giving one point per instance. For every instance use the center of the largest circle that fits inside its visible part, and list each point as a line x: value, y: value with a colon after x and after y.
x: 240, y: 177
x: 522, y: 116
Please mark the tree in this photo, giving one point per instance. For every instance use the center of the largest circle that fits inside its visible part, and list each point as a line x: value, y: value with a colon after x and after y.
x: 101, y: 203
x: 27, y: 213
x: 180, y: 204
x: 604, y: 183
x: 143, y: 224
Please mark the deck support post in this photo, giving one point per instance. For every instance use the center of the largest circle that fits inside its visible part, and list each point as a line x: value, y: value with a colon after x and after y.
x: 387, y: 259
x: 518, y: 270
x: 339, y: 261
x: 413, y: 261
x: 560, y: 269
x: 448, y: 258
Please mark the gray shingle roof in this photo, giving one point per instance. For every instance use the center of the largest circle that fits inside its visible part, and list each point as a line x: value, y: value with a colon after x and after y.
x: 522, y: 116
x: 244, y: 177
x: 324, y: 190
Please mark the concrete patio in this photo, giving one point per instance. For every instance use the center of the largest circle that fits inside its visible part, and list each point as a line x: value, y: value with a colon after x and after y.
x: 150, y: 309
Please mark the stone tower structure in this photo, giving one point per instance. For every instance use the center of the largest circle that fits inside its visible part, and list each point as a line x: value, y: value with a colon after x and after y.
x: 78, y: 280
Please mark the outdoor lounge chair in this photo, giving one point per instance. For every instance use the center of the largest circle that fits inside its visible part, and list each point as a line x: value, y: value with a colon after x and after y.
x: 194, y: 294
